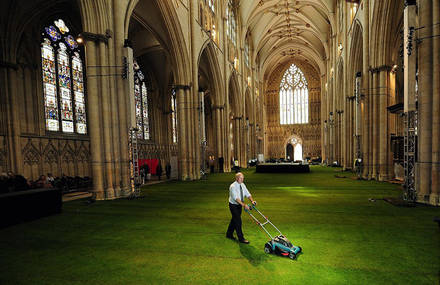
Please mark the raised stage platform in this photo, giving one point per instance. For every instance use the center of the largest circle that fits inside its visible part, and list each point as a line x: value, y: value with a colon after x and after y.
x: 282, y: 168
x: 21, y: 206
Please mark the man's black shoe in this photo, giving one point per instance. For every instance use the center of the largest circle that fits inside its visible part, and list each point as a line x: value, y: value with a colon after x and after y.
x: 244, y: 241
x: 230, y: 237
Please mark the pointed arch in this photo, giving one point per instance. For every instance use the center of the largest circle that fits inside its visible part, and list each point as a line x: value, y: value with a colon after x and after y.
x: 249, y: 105
x: 208, y: 49
x: 173, y: 38
x: 234, y: 95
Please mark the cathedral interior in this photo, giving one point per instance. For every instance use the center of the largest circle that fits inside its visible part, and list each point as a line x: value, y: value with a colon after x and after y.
x: 94, y: 89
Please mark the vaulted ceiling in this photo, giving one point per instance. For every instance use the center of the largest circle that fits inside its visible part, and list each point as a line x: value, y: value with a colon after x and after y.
x: 282, y: 30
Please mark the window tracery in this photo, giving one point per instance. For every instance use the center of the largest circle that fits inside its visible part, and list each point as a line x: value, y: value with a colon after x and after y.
x: 231, y: 23
x: 294, y: 97
x: 141, y: 103
x: 62, y: 75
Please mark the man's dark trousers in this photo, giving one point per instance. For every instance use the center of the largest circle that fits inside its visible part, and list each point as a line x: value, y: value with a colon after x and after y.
x: 235, y: 223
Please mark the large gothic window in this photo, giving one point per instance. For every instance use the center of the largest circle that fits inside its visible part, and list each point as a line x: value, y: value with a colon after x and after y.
x: 141, y: 103
x: 294, y: 97
x: 63, y: 81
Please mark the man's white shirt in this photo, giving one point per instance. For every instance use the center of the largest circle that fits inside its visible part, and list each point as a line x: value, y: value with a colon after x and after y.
x: 234, y: 192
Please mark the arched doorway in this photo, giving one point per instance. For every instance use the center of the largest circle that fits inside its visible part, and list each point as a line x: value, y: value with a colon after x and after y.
x: 289, y: 152
x: 294, y: 148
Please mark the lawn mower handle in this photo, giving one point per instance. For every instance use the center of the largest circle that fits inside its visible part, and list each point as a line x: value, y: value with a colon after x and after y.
x: 251, y: 207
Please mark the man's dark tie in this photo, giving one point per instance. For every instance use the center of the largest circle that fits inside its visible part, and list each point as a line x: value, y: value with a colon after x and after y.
x: 241, y: 194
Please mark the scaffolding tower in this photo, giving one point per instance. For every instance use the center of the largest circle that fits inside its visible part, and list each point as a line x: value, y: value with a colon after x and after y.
x: 410, y: 100
x: 410, y: 193
x: 134, y: 163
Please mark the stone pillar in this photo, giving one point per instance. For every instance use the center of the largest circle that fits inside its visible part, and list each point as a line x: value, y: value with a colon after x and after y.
x: 346, y: 131
x: 223, y: 135
x: 236, y: 135
x: 95, y: 127
x: 365, y: 86
x: 383, y: 126
x: 324, y: 113
x: 434, y: 198
x: 425, y: 65
x: 114, y: 124
x: 228, y: 130
x: 182, y: 144
x: 106, y: 121
x: 192, y: 98
x: 122, y: 97
x: 375, y: 93
x: 218, y: 137
x: 189, y: 134
x: 14, y: 128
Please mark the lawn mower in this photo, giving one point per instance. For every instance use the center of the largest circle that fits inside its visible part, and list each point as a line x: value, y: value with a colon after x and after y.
x: 279, y: 244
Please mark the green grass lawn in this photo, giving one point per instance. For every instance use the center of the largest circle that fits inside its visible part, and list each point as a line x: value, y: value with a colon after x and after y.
x: 176, y: 234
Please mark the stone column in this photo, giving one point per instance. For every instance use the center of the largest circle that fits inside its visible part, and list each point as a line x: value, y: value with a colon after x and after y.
x: 106, y: 121
x: 425, y: 103
x: 383, y: 126
x: 434, y: 198
x: 331, y: 123
x: 243, y: 145
x: 195, y: 145
x: 391, y: 100
x: 324, y: 113
x: 122, y: 97
x: 228, y: 130
x: 237, y: 150
x: 219, y: 138
x: 182, y: 144
x: 114, y: 123
x: 346, y: 133
x: 13, y: 120
x: 189, y: 136
x: 375, y: 96
x: 192, y: 98
x: 366, y: 84
x: 95, y: 128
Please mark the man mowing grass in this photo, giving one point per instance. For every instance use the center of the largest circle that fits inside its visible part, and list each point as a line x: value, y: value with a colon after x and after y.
x: 237, y: 192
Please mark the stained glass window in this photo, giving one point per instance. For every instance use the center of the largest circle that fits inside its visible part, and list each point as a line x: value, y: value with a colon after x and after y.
x: 231, y: 30
x: 49, y: 86
x: 63, y: 81
x: 294, y: 97
x: 78, y: 89
x: 141, y: 103
x: 174, y: 115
